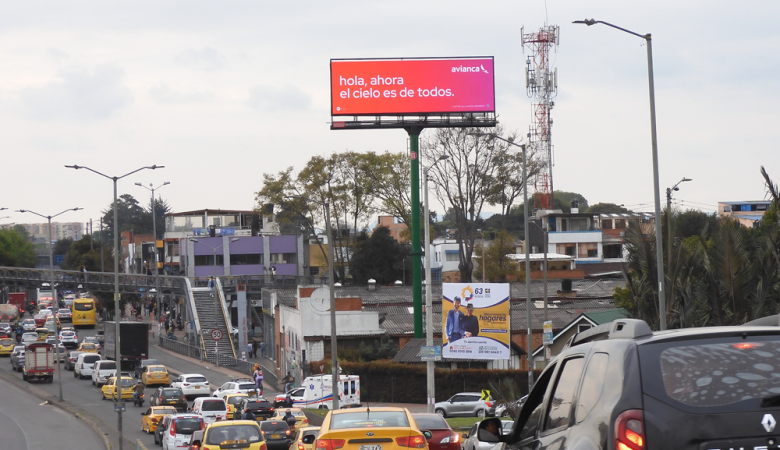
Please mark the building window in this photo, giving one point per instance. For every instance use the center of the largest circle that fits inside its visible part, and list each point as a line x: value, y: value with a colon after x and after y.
x: 726, y: 208
x: 606, y: 224
x: 582, y: 327
x: 452, y: 255
x: 588, y: 250
x: 613, y: 251
x: 283, y: 258
x: 760, y: 207
x: 241, y: 260
x: 620, y: 224
x: 208, y: 260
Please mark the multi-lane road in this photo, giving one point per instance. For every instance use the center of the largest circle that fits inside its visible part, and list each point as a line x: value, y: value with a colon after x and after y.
x: 86, y: 399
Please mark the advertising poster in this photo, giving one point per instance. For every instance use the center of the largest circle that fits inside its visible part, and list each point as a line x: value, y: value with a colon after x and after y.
x: 475, y: 320
x: 411, y: 86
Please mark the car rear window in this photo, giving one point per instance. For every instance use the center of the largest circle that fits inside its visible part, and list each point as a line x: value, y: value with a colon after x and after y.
x: 431, y: 422
x: 150, y: 362
x: 90, y: 359
x: 187, y: 425
x: 108, y: 365
x: 375, y: 419
x: 86, y: 306
x: 234, y: 400
x: 713, y: 373
x: 157, y: 369
x: 258, y: 405
x: 213, y: 405
x: 196, y: 379
x: 274, y: 426
x: 247, y: 386
x: 234, y: 433
x: 172, y: 393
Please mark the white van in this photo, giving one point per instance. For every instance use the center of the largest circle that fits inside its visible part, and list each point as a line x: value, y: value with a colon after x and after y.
x: 210, y: 408
x: 317, y: 392
x: 104, y: 369
x: 85, y: 364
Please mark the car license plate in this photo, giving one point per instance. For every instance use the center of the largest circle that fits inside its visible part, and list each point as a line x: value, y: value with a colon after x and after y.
x: 171, y: 401
x: 371, y: 447
x: 197, y: 387
x: 277, y: 436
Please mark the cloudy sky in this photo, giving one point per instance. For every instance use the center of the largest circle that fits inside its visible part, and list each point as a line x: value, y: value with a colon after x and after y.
x: 221, y: 92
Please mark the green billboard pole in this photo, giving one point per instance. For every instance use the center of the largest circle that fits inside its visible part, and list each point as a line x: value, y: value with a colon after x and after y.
x: 414, y: 156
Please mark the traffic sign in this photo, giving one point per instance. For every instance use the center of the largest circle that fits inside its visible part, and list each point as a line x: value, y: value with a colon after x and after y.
x: 216, y: 334
x: 322, y: 368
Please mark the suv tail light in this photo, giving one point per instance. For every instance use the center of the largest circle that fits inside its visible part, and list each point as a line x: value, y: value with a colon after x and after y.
x: 411, y: 441
x: 630, y: 430
x: 173, y: 428
x: 489, y: 404
x: 329, y: 444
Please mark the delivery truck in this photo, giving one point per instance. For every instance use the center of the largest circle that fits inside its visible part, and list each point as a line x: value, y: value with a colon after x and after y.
x: 133, y: 345
x: 38, y: 362
x: 18, y: 299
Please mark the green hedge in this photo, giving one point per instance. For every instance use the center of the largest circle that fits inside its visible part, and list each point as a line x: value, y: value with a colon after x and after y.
x: 386, y: 381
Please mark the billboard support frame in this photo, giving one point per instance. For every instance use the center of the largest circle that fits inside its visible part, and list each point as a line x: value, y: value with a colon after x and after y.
x: 448, y: 120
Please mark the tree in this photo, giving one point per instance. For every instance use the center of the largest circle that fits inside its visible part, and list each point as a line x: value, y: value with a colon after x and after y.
x: 378, y: 256
x: 605, y: 208
x: 130, y: 215
x: 464, y: 180
x: 691, y: 223
x: 85, y: 252
x: 498, y: 265
x: 15, y: 251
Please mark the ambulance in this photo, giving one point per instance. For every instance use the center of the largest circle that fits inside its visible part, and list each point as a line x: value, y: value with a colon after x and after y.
x: 316, y: 392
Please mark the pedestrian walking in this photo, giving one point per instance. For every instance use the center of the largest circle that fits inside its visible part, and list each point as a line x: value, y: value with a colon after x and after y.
x: 258, y: 376
x: 83, y: 273
x: 211, y: 285
x: 253, y: 328
x: 249, y: 350
x: 254, y: 348
x: 289, y: 382
x: 262, y: 349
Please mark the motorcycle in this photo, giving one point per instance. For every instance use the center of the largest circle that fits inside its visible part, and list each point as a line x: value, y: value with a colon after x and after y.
x: 138, y: 400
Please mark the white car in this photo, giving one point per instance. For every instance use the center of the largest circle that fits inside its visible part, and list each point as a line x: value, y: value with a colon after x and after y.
x: 180, y: 429
x: 192, y: 385
x: 212, y: 409
x: 28, y: 325
x: 6, y: 327
x: 237, y: 386
x: 103, y: 370
x: 29, y: 338
x: 85, y: 364
x: 18, y: 350
x: 69, y: 339
x: 46, y: 312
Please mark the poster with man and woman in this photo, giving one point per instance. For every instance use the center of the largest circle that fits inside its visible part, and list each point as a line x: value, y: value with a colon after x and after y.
x: 475, y: 320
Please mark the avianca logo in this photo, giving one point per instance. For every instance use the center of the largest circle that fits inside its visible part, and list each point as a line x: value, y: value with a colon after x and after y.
x: 481, y: 68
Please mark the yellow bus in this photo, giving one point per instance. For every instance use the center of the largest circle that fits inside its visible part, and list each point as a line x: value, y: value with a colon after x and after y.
x: 84, y: 313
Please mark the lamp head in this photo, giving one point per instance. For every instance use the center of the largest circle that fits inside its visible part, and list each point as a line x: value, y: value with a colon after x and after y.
x: 167, y: 182
x: 74, y: 167
x: 139, y: 184
x: 587, y: 22
x: 193, y: 240
x: 157, y: 167
x: 687, y: 179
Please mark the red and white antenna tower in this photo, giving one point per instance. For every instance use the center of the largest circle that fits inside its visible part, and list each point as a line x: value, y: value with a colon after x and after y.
x: 542, y: 86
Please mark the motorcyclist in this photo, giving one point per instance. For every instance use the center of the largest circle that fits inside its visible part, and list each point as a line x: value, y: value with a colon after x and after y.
x: 138, y: 390
x: 287, y: 416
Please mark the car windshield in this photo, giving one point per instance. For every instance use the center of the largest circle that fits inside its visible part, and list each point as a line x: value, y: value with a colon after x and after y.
x: 67, y: 334
x: 431, y: 422
x: 83, y: 306
x: 257, y: 405
x: 88, y: 346
x: 28, y: 322
x: 165, y: 410
x: 213, y: 405
x: 91, y: 339
x: 187, y: 425
x: 240, y: 433
x: 127, y: 382
x: 7, y: 342
x: 363, y: 419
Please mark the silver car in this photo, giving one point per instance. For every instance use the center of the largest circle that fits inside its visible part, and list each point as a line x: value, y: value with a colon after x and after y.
x: 466, y: 404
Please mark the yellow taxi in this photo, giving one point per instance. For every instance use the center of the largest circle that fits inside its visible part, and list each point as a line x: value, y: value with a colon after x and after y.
x: 42, y: 333
x: 231, y: 400
x: 300, y: 417
x: 87, y: 347
x: 244, y: 434
x: 7, y: 346
x: 126, y: 385
x: 155, y: 375
x: 153, y: 416
x: 390, y: 429
x: 305, y: 438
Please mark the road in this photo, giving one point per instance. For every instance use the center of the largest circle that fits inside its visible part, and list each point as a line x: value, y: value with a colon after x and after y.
x: 87, y: 398
x: 27, y: 423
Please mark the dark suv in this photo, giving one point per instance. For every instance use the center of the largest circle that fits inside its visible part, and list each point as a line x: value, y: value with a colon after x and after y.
x: 622, y: 386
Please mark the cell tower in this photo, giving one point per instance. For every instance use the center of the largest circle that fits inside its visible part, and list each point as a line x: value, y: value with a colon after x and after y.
x: 542, y: 86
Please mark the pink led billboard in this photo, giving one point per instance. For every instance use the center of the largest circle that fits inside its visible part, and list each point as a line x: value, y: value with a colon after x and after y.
x: 411, y: 86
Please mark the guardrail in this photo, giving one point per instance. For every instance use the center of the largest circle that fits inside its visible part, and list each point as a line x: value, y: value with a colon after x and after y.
x: 182, y: 348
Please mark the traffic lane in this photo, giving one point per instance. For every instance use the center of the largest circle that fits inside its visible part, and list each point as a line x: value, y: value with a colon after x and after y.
x: 87, y: 398
x: 26, y: 423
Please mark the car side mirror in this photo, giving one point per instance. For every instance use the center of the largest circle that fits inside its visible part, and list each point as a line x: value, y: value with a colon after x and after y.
x: 465, y: 436
x: 428, y: 435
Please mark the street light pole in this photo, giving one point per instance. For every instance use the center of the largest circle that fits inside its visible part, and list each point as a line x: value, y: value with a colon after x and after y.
x: 54, y: 301
x: 154, y: 235
x: 656, y: 189
x: 117, y: 316
x: 669, y: 227
x: 529, y: 342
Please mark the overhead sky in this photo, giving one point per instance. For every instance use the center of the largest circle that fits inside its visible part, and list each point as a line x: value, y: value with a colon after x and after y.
x: 221, y: 92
